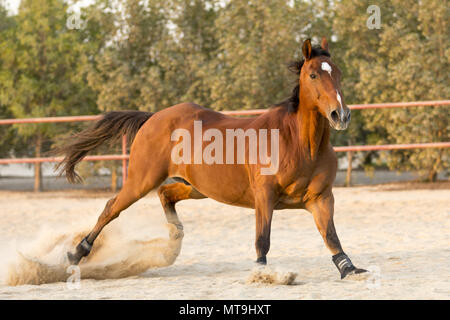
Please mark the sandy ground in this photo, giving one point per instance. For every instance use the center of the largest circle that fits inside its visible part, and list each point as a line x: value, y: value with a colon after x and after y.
x: 401, y: 235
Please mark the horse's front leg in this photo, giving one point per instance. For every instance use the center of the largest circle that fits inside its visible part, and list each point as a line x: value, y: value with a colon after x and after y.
x: 264, y: 204
x: 322, y: 210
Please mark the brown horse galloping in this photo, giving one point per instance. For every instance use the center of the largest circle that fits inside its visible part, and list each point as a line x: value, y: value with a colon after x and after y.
x: 306, y: 162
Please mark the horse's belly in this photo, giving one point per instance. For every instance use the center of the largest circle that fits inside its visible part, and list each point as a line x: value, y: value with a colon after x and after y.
x: 224, y: 183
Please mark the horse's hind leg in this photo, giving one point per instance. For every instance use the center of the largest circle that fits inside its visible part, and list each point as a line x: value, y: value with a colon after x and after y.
x: 138, y: 184
x: 170, y: 194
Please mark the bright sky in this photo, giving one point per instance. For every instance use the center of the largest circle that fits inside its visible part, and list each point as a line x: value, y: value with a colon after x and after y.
x: 13, y: 5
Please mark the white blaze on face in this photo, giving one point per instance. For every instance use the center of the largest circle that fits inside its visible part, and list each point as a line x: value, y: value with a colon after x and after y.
x: 339, y: 98
x: 326, y: 67
x: 340, y: 103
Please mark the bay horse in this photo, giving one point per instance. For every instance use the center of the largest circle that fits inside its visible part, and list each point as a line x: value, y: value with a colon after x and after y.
x: 307, y: 163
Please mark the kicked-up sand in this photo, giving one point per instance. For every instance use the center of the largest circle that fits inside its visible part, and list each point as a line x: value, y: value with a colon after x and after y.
x: 401, y: 235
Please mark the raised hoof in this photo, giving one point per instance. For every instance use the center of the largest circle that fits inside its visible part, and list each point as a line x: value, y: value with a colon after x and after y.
x: 351, y: 272
x: 261, y: 260
x: 74, y: 259
x: 82, y: 250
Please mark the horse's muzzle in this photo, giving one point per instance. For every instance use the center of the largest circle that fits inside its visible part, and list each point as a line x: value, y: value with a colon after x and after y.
x: 340, y: 118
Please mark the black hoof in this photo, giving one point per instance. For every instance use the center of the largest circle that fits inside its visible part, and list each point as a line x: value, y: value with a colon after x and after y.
x: 345, y: 265
x: 261, y: 260
x: 350, y: 271
x: 74, y: 259
x: 82, y: 250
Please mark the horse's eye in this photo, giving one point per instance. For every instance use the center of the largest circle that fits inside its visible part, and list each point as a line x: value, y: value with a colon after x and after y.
x: 313, y: 76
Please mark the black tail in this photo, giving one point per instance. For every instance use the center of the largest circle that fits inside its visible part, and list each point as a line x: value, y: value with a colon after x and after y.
x: 110, y: 127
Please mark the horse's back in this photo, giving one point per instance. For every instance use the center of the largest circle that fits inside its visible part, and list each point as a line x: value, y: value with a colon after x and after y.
x: 191, y: 110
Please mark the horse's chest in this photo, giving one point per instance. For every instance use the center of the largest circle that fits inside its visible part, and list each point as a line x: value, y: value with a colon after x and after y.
x: 296, y: 194
x: 292, y: 196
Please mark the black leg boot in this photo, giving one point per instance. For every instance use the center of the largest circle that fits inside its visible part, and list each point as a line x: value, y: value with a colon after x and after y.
x: 345, y: 265
x: 82, y: 250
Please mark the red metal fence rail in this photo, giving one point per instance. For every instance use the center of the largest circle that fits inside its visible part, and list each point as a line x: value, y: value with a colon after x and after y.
x: 124, y: 156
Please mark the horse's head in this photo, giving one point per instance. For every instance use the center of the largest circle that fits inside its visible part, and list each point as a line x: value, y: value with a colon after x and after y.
x: 320, y: 83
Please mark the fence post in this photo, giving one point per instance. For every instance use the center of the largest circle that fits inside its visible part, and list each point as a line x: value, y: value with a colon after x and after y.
x: 348, y: 178
x: 113, y: 177
x: 124, y: 161
x: 38, y: 165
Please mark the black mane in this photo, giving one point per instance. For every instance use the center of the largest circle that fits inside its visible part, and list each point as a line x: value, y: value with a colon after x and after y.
x: 292, y: 102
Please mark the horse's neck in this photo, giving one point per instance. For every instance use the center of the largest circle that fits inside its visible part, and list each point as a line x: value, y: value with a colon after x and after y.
x: 314, y: 131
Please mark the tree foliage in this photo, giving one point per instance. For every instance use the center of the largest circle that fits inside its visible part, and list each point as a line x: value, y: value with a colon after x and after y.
x: 149, y: 55
x: 407, y: 59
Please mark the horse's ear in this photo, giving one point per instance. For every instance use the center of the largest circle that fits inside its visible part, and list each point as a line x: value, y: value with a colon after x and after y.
x: 324, y: 44
x: 307, y: 49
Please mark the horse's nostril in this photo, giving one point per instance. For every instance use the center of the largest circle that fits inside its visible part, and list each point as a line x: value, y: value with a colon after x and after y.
x: 334, y: 116
x: 349, y: 116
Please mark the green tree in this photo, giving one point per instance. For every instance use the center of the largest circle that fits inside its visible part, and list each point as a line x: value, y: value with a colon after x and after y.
x: 256, y: 39
x: 156, y: 56
x: 129, y: 60
x: 406, y: 60
x: 44, y: 71
x: 186, y: 61
x: 6, y: 30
